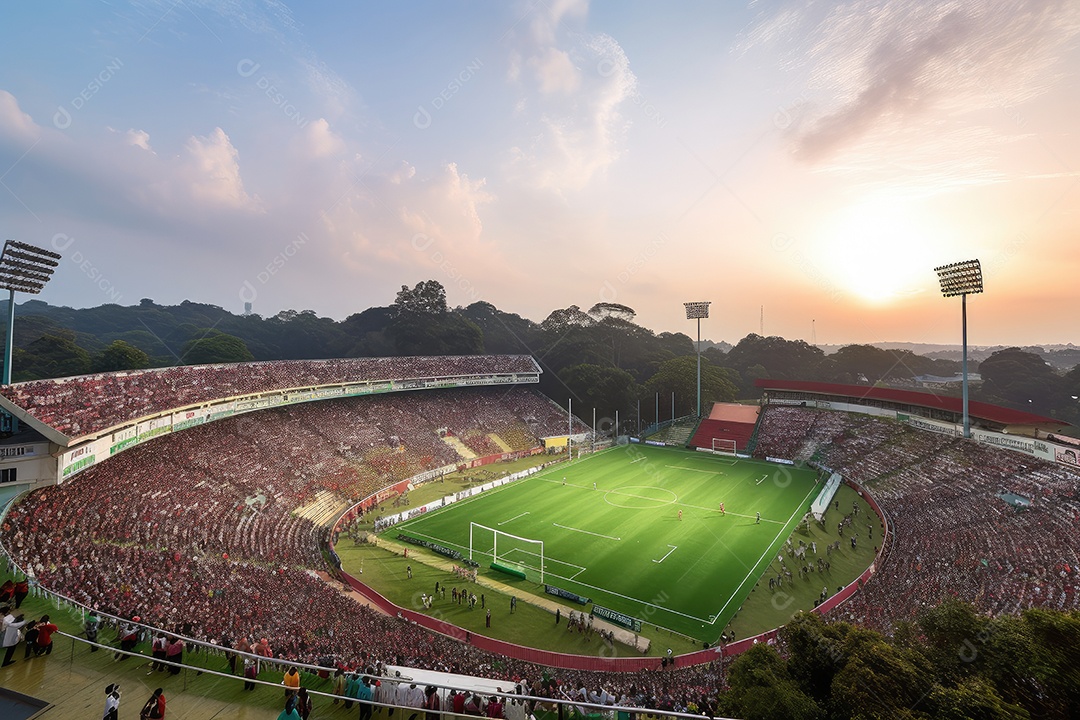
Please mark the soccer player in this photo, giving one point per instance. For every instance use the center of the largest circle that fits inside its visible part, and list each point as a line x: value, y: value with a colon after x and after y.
x: 758, y: 519
x: 722, y: 509
x: 680, y: 514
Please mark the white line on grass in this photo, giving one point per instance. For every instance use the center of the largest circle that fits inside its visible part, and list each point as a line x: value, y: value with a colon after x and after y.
x: 686, y: 469
x: 673, y: 549
x: 638, y: 460
x: 514, y: 518
x: 587, y: 532
x: 768, y: 551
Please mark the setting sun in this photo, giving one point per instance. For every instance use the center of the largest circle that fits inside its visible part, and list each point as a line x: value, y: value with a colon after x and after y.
x: 881, y: 249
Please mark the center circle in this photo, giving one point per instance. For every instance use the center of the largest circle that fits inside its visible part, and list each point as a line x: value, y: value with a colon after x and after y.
x: 640, y: 497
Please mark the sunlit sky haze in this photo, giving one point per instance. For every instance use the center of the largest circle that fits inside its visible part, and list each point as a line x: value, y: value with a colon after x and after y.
x: 809, y: 162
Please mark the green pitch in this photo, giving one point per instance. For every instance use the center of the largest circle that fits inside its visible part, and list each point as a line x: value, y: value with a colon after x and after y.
x: 612, y: 530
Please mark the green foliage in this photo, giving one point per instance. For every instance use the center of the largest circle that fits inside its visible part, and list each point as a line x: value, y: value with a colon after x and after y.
x: 216, y: 347
x: 679, y: 375
x: 761, y: 688
x: 52, y: 355
x: 880, y: 680
x: 120, y: 355
x: 605, y: 388
x: 1023, y: 380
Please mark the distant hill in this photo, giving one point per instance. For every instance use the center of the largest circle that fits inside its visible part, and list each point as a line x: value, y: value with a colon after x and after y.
x: 1060, y: 356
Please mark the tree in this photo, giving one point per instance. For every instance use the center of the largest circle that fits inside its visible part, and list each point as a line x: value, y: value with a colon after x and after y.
x: 120, y: 355
x: 427, y: 298
x: 561, y: 320
x: 604, y: 310
x: 215, y: 347
x: 880, y: 680
x: 596, y: 386
x: 972, y: 698
x: 1022, y: 380
x: 761, y: 688
x: 782, y: 359
x: 679, y: 375
x: 816, y: 652
x: 54, y: 355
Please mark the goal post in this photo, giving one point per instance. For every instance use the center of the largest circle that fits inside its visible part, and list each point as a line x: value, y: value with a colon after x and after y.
x: 507, y: 550
x: 724, y: 446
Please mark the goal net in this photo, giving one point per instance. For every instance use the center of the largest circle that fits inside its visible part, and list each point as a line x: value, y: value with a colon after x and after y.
x: 724, y: 446
x: 524, y: 555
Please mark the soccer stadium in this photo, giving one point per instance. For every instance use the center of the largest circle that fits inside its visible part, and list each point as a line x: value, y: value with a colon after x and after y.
x: 314, y: 513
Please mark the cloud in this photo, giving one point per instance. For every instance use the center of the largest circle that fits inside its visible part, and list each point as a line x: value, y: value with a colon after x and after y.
x: 14, y: 123
x: 215, y: 172
x: 571, y: 93
x: 555, y: 72
x: 877, y: 68
x: 139, y: 138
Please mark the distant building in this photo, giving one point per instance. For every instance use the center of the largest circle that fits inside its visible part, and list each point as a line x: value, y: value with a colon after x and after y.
x: 942, y: 381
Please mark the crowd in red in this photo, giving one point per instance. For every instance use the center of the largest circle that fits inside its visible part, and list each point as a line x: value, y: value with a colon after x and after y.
x: 75, y: 406
x: 972, y: 521
x: 196, y: 532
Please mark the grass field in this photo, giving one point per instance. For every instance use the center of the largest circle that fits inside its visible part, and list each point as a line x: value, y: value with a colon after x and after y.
x: 612, y: 530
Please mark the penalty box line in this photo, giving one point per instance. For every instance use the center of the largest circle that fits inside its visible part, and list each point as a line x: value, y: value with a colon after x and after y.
x: 548, y: 561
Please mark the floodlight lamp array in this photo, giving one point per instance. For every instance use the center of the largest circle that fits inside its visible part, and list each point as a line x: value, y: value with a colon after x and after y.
x: 26, y: 268
x: 696, y: 310
x: 961, y: 278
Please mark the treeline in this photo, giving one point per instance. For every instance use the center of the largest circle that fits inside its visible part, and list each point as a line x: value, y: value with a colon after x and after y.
x: 600, y: 356
x: 951, y: 662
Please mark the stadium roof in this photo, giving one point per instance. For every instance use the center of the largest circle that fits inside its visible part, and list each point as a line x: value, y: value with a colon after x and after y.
x: 861, y: 393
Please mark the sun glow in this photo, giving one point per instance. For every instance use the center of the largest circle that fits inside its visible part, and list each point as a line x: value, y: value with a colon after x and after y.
x: 881, y: 249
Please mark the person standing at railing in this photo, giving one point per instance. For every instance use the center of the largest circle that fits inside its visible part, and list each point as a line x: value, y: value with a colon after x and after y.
x: 11, y: 635
x: 22, y: 589
x: 43, y: 645
x: 91, y: 628
x: 174, y: 653
x: 129, y: 638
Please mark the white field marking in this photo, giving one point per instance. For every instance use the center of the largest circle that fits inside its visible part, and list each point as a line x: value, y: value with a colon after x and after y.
x: 686, y: 469
x: 548, y: 561
x: 638, y: 460
x: 673, y: 549
x: 513, y: 518
x: 587, y: 532
x: 768, y: 551
x: 728, y: 512
x: 542, y: 475
x: 761, y: 479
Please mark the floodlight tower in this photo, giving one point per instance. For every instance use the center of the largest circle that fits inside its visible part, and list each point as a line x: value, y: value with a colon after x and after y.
x: 962, y: 278
x: 697, y: 311
x: 24, y: 268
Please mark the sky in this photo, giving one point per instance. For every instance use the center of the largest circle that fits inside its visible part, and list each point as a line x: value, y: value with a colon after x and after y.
x: 802, y: 165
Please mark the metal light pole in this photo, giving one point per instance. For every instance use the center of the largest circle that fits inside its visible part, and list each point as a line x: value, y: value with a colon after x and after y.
x: 962, y: 278
x: 697, y: 311
x: 24, y: 268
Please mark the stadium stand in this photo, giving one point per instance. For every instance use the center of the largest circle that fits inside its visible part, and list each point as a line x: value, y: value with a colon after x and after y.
x: 73, y: 405
x: 955, y: 531
x: 726, y: 421
x: 198, y: 531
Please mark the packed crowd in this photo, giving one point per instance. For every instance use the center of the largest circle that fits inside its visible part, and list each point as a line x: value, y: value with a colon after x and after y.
x: 195, y: 532
x: 88, y: 403
x: 955, y: 531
